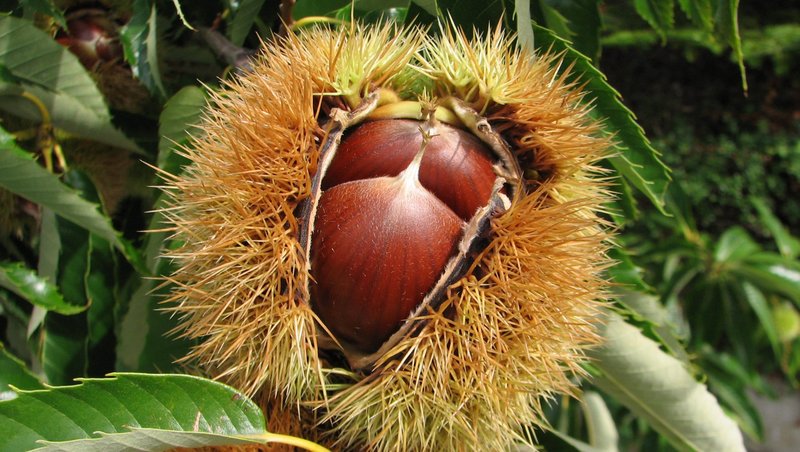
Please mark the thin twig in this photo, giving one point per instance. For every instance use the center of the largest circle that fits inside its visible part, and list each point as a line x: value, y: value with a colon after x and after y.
x: 238, y: 57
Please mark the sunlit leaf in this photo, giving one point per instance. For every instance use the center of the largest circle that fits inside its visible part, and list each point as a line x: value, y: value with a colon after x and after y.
x: 735, y: 244
x: 637, y: 161
x: 26, y: 283
x: 603, y: 435
x: 43, y: 68
x: 662, y: 324
x: 658, y: 388
x: 134, y: 411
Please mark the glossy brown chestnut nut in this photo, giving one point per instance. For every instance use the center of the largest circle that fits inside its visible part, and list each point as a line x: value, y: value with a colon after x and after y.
x: 389, y: 221
x: 456, y: 167
x: 93, y: 39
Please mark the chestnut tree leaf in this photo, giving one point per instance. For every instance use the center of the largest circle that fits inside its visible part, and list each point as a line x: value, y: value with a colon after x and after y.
x: 143, y: 344
x: 32, y: 62
x: 700, y: 12
x: 727, y: 21
x: 636, y: 159
x: 244, y: 15
x: 26, y: 283
x: 21, y: 175
x: 134, y: 411
x: 139, y: 39
x: 14, y: 373
x: 46, y: 7
x: 660, y: 14
x: 658, y: 388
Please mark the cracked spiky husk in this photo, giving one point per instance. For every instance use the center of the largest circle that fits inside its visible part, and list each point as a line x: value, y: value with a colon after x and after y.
x: 509, y: 334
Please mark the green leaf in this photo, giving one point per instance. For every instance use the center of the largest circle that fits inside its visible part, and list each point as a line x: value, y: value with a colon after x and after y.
x: 603, y: 435
x: 772, y: 273
x: 758, y: 302
x: 27, y: 284
x: 14, y: 373
x: 139, y: 40
x: 46, y: 7
x: 662, y: 324
x: 788, y: 245
x: 32, y: 56
x: 625, y: 272
x: 181, y: 113
x: 522, y: 12
x: 40, y: 66
x: 660, y: 14
x: 143, y: 342
x: 730, y: 380
x: 305, y: 8
x: 65, y: 342
x: 700, y: 12
x: 636, y: 160
x: 583, y: 20
x: 727, y: 21
x: 735, y: 244
x: 658, y: 388
x: 21, y: 175
x: 243, y: 17
x: 143, y: 409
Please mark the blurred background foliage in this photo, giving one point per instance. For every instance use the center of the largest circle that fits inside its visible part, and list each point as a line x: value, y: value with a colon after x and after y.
x: 708, y: 267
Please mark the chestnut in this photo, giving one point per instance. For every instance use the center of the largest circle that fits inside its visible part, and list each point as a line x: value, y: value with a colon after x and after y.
x: 394, y: 209
x: 93, y: 39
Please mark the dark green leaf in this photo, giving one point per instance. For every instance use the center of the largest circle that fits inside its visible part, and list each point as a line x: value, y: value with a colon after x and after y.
x: 700, y: 12
x: 583, y: 22
x: 134, y: 405
x: 660, y: 14
x: 305, y: 8
x: 758, y: 302
x: 788, y: 245
x: 46, y: 7
x: 140, y: 43
x: 65, y: 342
x: 37, y: 290
x: 637, y: 161
x: 480, y: 15
x: 143, y: 342
x: 729, y: 380
x: 625, y: 273
x: 14, y: 373
x: 735, y: 244
x: 727, y: 20
x: 634, y: 370
x: 772, y: 274
x: 243, y: 17
x: 20, y: 174
x: 181, y: 113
